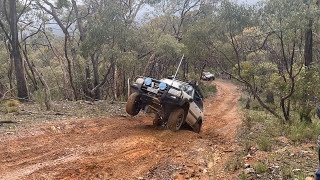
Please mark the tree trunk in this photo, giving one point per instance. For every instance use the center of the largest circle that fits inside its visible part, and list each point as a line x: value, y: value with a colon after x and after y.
x: 32, y: 76
x: 149, y: 65
x: 284, y: 110
x: 66, y: 82
x: 88, y: 81
x: 75, y: 93
x: 96, y: 75
x: 47, y: 94
x: 19, y: 70
x: 270, y: 97
x: 308, y: 45
x: 115, y: 83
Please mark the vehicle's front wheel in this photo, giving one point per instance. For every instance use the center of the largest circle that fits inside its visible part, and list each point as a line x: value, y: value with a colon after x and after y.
x: 132, y: 106
x: 197, y: 127
x: 176, y: 119
x: 157, y: 121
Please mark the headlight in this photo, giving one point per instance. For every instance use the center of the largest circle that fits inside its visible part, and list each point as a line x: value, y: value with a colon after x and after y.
x: 148, y: 81
x: 140, y: 81
x: 162, y: 86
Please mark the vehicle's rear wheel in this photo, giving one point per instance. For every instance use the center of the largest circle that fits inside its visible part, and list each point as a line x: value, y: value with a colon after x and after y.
x: 132, y: 106
x: 176, y: 119
x: 197, y: 127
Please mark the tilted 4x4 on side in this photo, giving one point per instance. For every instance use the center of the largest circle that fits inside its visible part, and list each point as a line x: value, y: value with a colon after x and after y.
x: 173, y: 101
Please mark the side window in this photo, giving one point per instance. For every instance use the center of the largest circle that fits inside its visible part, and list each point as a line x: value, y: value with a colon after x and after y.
x: 189, y: 90
x: 198, y: 100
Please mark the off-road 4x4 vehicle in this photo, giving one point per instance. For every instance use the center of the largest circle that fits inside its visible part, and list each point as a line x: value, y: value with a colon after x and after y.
x: 207, y: 76
x: 173, y: 101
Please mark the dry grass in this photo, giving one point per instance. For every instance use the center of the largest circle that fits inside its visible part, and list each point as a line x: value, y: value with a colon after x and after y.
x: 11, y: 105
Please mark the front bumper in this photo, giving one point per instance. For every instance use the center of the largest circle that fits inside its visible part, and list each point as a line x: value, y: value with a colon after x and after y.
x: 157, y: 99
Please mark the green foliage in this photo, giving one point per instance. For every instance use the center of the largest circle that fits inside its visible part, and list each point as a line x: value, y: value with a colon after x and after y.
x: 208, y: 89
x: 285, y: 15
x: 301, y: 176
x: 168, y: 46
x: 260, y: 167
x: 195, y: 41
x: 243, y: 176
x: 4, y: 59
x: 62, y: 3
x: 38, y: 96
x: 300, y: 132
x: 236, y: 17
x: 307, y: 93
x: 264, y: 142
x: 247, y: 121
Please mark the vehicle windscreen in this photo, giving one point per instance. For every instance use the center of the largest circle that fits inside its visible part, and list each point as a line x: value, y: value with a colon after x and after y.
x: 180, y: 85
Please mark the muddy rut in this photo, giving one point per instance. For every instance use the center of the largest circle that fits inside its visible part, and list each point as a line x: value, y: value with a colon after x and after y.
x: 125, y: 147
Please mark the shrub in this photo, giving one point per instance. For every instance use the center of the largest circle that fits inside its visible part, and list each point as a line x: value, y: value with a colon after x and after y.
x: 243, y: 176
x: 299, y: 132
x: 208, y: 89
x: 301, y: 176
x: 11, y: 109
x: 274, y: 128
x: 247, y: 144
x: 264, y: 142
x: 287, y: 172
x: 247, y: 121
x: 260, y: 167
x: 12, y: 105
x: 234, y: 163
x: 38, y: 96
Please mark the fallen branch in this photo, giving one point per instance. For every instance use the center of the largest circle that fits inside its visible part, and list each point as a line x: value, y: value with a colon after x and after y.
x: 5, y: 93
x: 7, y: 122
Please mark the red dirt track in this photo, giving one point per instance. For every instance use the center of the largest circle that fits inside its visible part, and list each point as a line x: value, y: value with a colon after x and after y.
x: 124, y: 147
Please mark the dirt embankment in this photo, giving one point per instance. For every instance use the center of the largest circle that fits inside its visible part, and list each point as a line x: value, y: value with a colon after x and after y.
x: 125, y: 147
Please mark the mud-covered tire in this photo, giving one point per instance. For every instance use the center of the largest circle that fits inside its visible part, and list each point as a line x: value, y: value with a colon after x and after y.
x: 197, y: 127
x: 132, y: 106
x: 157, y: 121
x: 176, y: 119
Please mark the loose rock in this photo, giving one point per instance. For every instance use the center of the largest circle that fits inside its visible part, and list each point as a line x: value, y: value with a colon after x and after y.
x: 249, y: 171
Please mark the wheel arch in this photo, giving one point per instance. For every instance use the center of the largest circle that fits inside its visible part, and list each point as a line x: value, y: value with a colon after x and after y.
x: 185, y: 107
x: 199, y: 121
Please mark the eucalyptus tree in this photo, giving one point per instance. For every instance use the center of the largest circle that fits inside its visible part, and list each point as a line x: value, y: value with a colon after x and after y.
x: 10, y: 13
x: 312, y: 13
x: 173, y: 19
x: 111, y: 43
x: 260, y: 47
x: 179, y: 13
x: 61, y: 11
